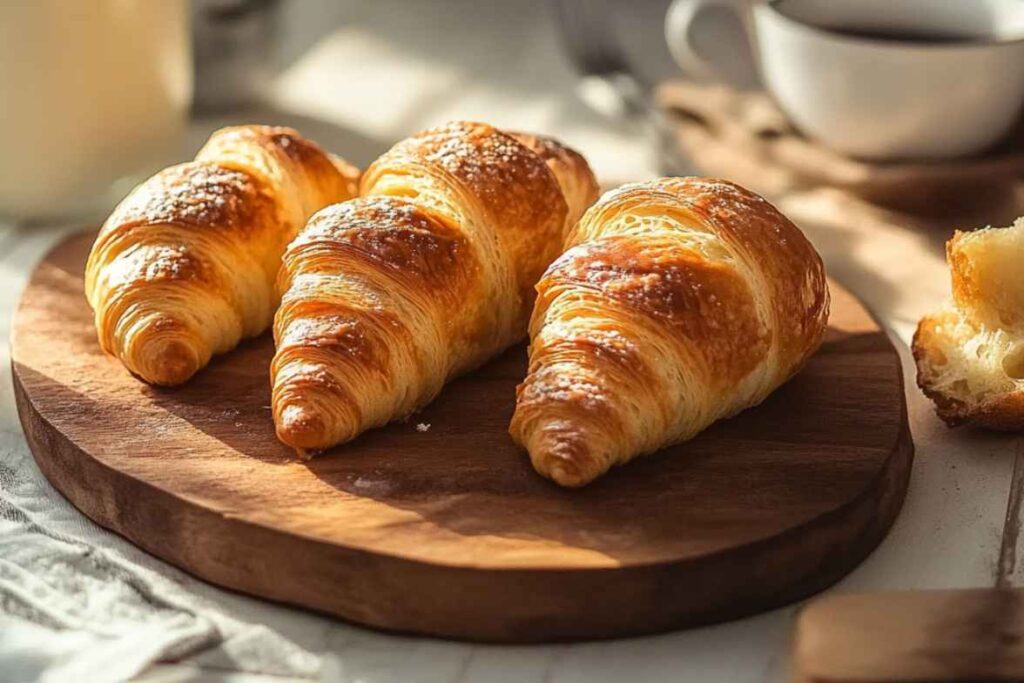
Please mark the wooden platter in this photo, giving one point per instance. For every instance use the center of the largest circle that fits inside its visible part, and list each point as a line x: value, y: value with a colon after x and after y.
x: 933, y: 636
x: 448, y: 531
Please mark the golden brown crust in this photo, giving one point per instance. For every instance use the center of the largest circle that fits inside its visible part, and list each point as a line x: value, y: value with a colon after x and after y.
x: 578, y: 184
x: 678, y: 302
x: 494, y: 178
x: 435, y: 263
x: 969, y: 353
x: 706, y: 301
x: 1001, y: 412
x: 198, y: 195
x: 965, y: 289
x: 287, y: 159
x: 393, y: 234
x: 185, y: 266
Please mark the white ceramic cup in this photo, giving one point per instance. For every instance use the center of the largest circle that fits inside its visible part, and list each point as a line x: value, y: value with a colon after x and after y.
x: 877, y: 79
x: 94, y: 95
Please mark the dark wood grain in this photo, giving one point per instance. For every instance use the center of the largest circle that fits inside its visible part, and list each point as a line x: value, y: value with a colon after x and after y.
x: 449, y: 531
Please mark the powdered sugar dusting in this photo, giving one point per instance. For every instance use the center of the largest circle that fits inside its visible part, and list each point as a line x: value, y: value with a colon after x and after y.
x: 395, y: 234
x: 198, y: 194
x: 555, y: 383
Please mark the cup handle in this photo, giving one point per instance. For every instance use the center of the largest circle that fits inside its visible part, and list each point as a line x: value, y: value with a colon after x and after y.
x: 682, y: 18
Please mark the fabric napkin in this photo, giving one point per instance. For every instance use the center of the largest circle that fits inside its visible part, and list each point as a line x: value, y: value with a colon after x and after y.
x: 78, y: 603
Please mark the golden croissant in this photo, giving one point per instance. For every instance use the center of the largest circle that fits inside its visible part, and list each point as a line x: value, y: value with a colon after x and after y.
x: 425, y: 276
x: 678, y: 302
x: 185, y: 267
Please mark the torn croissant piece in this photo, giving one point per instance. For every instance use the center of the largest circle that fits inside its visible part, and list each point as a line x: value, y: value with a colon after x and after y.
x: 427, y: 275
x: 185, y: 267
x: 678, y: 302
x: 970, y: 354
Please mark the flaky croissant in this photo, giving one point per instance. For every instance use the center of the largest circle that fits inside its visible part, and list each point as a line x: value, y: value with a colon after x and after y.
x: 425, y: 276
x: 970, y: 353
x: 185, y: 266
x: 678, y: 302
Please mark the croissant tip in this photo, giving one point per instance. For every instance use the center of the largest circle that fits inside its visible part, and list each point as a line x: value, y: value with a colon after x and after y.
x: 173, y: 362
x: 302, y: 429
x: 307, y: 454
x: 566, y: 474
x: 565, y: 459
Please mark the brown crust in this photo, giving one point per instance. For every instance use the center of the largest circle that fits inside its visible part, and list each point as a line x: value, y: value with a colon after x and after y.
x: 493, y: 174
x: 703, y: 284
x: 1001, y: 413
x: 391, y: 233
x: 317, y: 172
x: 570, y: 170
x: 703, y: 301
x: 436, y: 263
x: 961, y: 271
x: 978, y: 298
x: 198, y: 195
x: 386, y: 243
x: 185, y: 265
x: 790, y: 266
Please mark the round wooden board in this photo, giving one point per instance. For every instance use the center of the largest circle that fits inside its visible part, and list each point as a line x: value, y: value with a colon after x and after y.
x: 448, y: 531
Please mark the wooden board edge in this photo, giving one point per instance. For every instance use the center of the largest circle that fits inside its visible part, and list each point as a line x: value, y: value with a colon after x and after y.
x: 89, y: 485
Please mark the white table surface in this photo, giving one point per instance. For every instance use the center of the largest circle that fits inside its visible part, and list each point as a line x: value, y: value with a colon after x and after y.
x: 382, y: 73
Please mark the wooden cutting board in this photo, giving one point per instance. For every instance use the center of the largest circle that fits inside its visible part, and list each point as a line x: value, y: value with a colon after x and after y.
x: 937, y: 636
x: 439, y: 525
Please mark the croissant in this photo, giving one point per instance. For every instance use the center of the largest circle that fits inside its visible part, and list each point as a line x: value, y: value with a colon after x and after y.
x: 185, y: 267
x: 425, y: 276
x: 970, y: 353
x: 679, y: 301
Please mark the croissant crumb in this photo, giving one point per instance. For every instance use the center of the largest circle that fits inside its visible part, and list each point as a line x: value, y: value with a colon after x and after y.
x: 970, y: 353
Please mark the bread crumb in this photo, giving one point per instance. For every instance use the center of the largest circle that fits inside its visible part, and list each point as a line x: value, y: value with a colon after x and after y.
x: 423, y: 427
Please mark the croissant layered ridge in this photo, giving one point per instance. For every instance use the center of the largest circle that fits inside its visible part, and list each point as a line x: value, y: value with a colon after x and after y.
x: 678, y: 302
x: 184, y: 268
x: 427, y: 275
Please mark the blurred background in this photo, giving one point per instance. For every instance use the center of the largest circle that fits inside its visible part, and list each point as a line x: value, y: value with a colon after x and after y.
x: 361, y: 75
x: 99, y: 94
